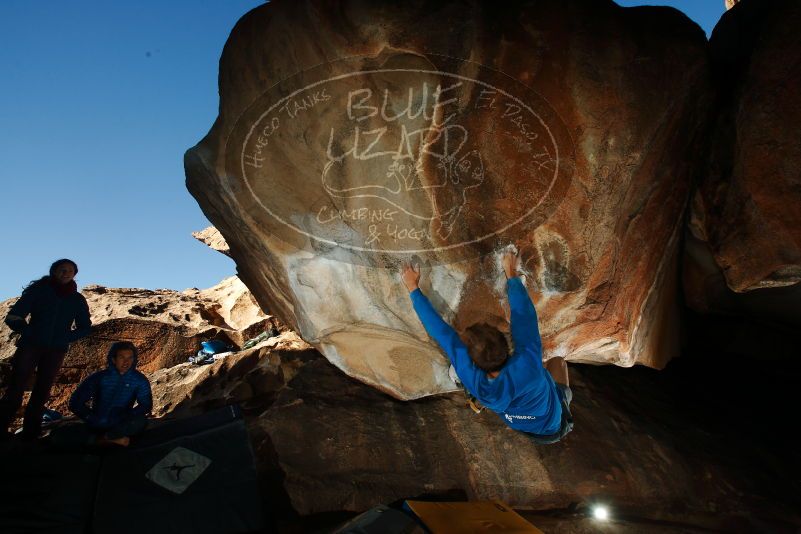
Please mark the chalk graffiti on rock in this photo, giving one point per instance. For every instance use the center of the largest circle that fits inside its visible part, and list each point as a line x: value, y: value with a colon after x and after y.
x: 404, y: 157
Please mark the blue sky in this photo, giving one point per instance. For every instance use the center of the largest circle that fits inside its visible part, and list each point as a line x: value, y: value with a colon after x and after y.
x: 705, y: 13
x: 98, y: 102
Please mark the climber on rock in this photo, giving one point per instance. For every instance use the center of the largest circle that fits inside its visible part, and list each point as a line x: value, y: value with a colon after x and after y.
x: 516, y: 386
x: 113, y: 418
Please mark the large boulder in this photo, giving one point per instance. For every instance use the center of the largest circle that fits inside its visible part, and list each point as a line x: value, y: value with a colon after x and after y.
x: 747, y: 211
x: 742, y: 254
x: 166, y: 326
x: 355, y: 135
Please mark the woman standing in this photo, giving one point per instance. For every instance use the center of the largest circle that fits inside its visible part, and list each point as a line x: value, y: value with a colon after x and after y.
x: 54, y: 304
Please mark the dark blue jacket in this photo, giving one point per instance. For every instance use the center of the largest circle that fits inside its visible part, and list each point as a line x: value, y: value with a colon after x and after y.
x: 113, y: 396
x: 524, y: 393
x: 52, y: 317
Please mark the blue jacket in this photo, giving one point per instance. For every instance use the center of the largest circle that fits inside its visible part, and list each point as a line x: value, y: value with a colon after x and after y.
x: 524, y: 393
x: 52, y: 317
x: 113, y: 396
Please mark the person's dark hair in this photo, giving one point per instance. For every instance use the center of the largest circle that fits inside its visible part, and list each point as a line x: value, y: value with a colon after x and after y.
x: 46, y: 278
x: 487, y: 346
x: 58, y: 263
x: 120, y: 345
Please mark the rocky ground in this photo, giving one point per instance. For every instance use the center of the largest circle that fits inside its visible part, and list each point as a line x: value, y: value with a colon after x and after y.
x: 689, y: 449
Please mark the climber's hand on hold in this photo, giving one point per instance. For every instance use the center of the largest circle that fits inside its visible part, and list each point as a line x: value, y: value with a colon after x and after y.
x: 509, y: 262
x: 410, y: 276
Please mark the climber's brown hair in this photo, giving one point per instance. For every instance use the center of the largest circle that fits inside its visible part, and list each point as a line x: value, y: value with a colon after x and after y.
x: 487, y: 346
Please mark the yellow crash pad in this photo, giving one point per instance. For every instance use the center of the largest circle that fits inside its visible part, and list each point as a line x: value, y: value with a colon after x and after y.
x: 470, y: 517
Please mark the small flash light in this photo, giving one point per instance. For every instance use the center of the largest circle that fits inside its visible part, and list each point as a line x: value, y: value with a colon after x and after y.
x: 601, y: 513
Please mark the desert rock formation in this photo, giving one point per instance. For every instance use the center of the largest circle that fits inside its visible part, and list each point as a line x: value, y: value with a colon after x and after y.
x: 166, y: 326
x: 213, y: 239
x: 748, y: 207
x: 324, y: 173
x: 742, y: 251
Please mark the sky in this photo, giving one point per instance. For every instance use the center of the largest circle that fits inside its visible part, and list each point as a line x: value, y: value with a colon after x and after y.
x: 98, y: 103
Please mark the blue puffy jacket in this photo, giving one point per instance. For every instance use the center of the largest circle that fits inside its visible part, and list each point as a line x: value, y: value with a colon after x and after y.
x: 113, y: 395
x: 52, y: 317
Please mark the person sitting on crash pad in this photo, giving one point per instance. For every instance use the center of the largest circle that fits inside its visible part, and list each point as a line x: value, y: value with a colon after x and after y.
x: 120, y: 398
x: 516, y: 386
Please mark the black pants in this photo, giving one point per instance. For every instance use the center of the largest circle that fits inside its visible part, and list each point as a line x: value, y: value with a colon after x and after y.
x: 47, y: 363
x: 77, y: 435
